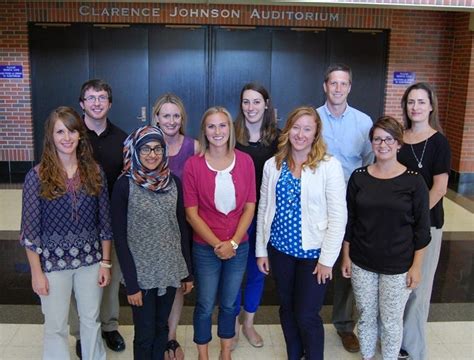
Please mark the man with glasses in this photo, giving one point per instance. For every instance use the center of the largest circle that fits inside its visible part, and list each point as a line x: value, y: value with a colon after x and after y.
x: 107, y: 143
x: 346, y: 133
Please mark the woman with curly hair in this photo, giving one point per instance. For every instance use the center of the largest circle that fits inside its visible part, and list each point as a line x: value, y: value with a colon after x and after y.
x: 66, y: 231
x: 300, y: 227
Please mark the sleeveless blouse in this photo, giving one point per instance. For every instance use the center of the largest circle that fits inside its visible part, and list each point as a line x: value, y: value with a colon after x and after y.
x: 176, y: 162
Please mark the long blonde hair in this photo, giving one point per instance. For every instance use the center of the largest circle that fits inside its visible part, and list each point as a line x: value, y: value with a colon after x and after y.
x: 51, y: 172
x: 318, y: 147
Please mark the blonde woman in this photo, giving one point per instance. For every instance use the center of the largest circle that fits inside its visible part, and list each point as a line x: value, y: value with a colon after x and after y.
x: 169, y: 114
x: 300, y: 227
x: 219, y: 198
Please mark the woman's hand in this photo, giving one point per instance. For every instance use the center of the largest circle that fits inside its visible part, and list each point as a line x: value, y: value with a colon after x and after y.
x: 263, y: 265
x: 224, y: 250
x: 346, y: 266
x: 413, y: 277
x: 40, y: 283
x: 135, y: 299
x: 104, y: 276
x: 186, y: 287
x: 322, y: 273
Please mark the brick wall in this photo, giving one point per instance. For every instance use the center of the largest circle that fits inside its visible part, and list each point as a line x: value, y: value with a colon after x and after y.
x: 460, y: 107
x: 16, y: 129
x: 420, y: 41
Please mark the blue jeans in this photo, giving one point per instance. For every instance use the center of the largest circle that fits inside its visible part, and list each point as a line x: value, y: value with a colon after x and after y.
x: 255, y: 279
x: 301, y: 299
x: 216, y: 279
x: 151, y: 324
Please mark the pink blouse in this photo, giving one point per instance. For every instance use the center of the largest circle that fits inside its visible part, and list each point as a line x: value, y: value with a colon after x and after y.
x: 199, y: 186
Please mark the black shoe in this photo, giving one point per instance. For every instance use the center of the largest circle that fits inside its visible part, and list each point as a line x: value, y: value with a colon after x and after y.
x: 403, y: 355
x: 114, y: 340
x: 78, y: 349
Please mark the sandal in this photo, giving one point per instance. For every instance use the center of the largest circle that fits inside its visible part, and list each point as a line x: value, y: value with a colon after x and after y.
x: 172, y: 347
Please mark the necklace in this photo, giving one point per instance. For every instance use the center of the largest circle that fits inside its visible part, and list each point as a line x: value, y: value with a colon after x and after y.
x: 419, y: 161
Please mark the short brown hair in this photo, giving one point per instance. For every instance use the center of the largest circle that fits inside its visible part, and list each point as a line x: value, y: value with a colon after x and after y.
x: 390, y: 125
x: 338, y: 67
x: 97, y: 85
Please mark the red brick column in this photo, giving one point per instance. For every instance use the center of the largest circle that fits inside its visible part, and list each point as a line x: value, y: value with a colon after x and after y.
x: 460, y: 111
x: 16, y: 129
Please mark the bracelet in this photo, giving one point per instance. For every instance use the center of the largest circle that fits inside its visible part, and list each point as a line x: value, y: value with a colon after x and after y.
x: 234, y: 244
x: 106, y: 260
x: 104, y: 265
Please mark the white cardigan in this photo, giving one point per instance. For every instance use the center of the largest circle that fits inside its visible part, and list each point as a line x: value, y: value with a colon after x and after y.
x: 323, y: 208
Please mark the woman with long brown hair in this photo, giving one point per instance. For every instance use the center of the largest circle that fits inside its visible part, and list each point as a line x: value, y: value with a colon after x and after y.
x: 257, y: 134
x: 66, y: 231
x: 427, y: 151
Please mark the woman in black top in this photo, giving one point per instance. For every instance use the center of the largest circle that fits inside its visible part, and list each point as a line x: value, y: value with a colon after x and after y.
x: 386, y: 233
x: 427, y: 151
x: 257, y: 135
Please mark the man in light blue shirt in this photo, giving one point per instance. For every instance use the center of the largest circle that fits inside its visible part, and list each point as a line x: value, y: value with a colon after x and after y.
x: 346, y: 133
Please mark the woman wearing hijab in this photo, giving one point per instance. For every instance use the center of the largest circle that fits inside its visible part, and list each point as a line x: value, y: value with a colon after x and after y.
x: 151, y: 237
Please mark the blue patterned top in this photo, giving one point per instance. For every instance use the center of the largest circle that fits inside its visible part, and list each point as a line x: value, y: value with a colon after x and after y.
x: 285, y: 234
x: 65, y: 232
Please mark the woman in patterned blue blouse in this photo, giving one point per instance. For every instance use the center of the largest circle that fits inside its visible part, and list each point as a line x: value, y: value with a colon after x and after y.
x: 300, y: 227
x: 66, y: 231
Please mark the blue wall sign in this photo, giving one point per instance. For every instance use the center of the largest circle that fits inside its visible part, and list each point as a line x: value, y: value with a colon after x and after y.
x: 11, y: 71
x: 404, y: 77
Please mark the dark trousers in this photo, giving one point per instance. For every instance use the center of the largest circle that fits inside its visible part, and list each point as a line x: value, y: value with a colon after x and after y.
x: 151, y: 324
x: 301, y: 299
x: 342, y: 310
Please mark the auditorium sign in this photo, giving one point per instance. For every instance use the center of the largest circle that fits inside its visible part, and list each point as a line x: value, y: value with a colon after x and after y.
x: 239, y: 14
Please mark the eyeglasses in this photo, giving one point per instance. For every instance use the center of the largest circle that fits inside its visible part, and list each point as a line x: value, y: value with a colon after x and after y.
x: 146, y: 150
x: 92, y: 99
x: 388, y: 140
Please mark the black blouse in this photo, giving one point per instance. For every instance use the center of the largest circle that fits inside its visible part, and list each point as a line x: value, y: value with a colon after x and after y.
x: 259, y: 154
x: 435, y: 161
x: 388, y: 220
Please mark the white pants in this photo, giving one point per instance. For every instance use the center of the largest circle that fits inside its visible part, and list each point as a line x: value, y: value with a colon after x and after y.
x: 418, y: 305
x: 55, y: 308
x: 110, y: 305
x: 384, y: 296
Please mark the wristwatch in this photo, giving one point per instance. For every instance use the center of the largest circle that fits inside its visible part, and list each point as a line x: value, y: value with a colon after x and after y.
x: 235, y: 246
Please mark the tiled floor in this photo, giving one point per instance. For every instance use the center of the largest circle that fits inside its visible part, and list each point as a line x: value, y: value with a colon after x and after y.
x: 447, y: 341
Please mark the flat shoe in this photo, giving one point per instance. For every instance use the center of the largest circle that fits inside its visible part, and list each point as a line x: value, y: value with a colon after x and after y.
x: 253, y: 337
x: 173, y: 350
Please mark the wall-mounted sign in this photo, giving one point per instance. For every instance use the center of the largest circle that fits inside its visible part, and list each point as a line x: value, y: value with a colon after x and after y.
x: 204, y: 13
x: 404, y: 77
x: 11, y: 71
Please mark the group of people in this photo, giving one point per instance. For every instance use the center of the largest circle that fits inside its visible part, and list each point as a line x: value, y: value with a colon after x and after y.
x: 218, y: 214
